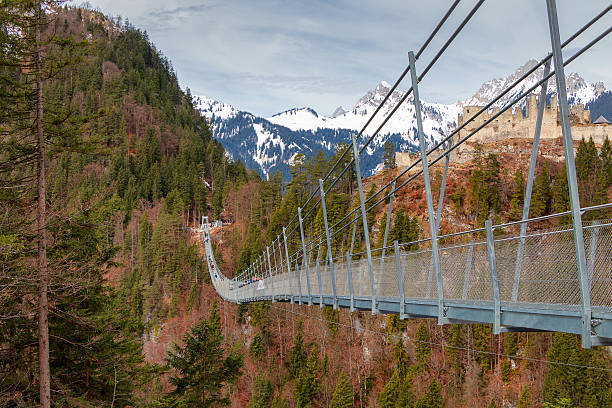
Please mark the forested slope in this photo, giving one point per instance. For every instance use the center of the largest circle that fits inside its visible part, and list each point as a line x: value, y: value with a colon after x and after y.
x: 129, y: 163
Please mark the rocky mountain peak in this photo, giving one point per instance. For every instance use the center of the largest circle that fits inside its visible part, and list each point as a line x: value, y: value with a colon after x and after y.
x: 339, y: 111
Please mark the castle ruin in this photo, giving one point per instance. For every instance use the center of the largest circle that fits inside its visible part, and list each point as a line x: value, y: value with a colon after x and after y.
x: 513, y: 124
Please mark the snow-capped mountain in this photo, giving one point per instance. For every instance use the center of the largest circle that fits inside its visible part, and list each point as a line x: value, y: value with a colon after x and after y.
x: 270, y: 144
x: 578, y: 90
x: 437, y: 118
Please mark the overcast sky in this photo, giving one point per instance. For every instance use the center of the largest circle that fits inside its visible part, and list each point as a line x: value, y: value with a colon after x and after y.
x: 266, y: 56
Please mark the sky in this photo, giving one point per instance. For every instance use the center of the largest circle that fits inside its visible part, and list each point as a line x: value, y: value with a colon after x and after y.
x: 267, y: 56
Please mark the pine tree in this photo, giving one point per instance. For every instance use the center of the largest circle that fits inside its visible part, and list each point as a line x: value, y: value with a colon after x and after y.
x: 482, y: 335
x: 381, y: 233
x: 390, y: 392
x: 573, y: 381
x: 201, y: 367
x: 483, y: 194
x: 524, y: 398
x: 518, y: 196
x: 422, y: 348
x: 279, y: 402
x: 307, y: 383
x: 560, y: 196
x: 318, y: 169
x: 297, y: 355
x: 510, y: 344
x: 591, y: 174
x: 257, y: 349
x: 398, y: 226
x: 433, y: 397
x: 343, y: 394
x: 262, y: 392
x: 541, y: 196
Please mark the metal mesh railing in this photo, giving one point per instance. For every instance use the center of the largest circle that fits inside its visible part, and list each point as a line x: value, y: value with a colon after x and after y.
x: 547, y: 272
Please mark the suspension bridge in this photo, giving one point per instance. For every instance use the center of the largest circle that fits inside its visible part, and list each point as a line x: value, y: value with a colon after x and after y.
x: 518, y: 276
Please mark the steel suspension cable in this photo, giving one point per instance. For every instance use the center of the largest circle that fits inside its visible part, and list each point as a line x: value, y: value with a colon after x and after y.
x: 504, y: 92
x: 449, y: 150
x: 393, y: 88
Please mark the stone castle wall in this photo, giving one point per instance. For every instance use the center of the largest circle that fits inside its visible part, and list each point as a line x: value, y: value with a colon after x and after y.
x: 514, y: 125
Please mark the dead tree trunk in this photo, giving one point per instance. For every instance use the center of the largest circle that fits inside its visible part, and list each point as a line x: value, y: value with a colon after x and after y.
x: 43, y: 272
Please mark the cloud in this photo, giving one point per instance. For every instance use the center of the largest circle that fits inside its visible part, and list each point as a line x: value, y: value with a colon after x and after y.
x: 269, y: 55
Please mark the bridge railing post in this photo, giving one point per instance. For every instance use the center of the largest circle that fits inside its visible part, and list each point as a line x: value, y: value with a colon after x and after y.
x: 529, y: 188
x: 281, y: 289
x: 400, y: 280
x: 388, y: 223
x: 570, y: 165
x: 305, y: 256
x: 288, y: 266
x: 364, y: 218
x: 299, y: 278
x: 330, y: 259
x: 494, y: 279
x: 350, y: 280
x: 320, y: 285
x: 430, y: 212
x: 270, y: 273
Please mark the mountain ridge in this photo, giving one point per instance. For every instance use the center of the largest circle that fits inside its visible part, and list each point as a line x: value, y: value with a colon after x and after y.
x: 269, y: 144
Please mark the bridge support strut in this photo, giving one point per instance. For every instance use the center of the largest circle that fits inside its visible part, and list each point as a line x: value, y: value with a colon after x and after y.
x: 305, y: 256
x: 433, y: 231
x: 288, y: 266
x: 570, y: 165
x: 364, y: 218
x: 330, y: 259
x: 529, y: 188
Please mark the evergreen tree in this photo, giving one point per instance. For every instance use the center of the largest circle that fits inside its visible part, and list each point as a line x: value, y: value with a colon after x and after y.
x: 422, y: 348
x: 381, y: 233
x: 398, y: 227
x: 389, y: 155
x: 307, y: 383
x: 343, y: 394
x: 279, y: 402
x: 510, y: 344
x: 579, y: 385
x: 318, y: 169
x: 591, y: 174
x: 201, y: 367
x: 559, y: 403
x: 518, y: 197
x: 262, y: 392
x: 524, y: 398
x: 482, y: 335
x: 257, y: 349
x: 297, y: 355
x: 484, y: 189
x: 541, y: 196
x: 390, y: 392
x: 433, y: 397
x: 560, y: 196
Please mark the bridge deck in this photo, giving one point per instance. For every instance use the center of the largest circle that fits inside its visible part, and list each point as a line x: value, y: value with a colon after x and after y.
x: 537, y: 275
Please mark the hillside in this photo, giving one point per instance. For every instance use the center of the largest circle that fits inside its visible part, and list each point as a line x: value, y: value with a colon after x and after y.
x: 130, y: 163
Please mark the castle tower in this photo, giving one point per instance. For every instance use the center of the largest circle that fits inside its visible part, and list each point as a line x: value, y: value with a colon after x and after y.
x: 531, y: 108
